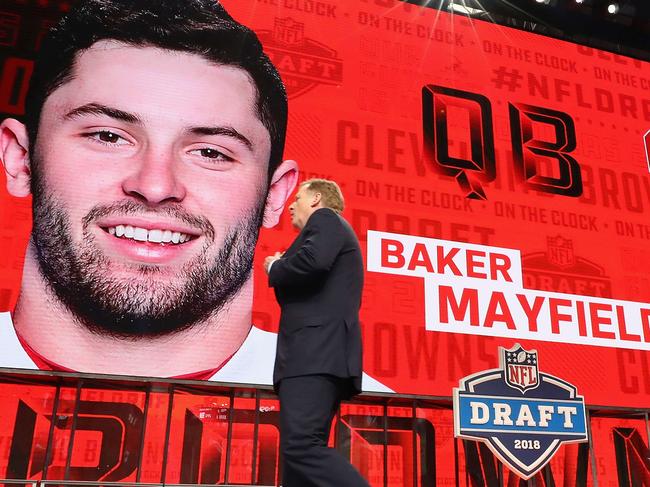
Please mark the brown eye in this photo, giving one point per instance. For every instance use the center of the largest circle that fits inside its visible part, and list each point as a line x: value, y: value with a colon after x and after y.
x: 108, y: 137
x: 210, y: 153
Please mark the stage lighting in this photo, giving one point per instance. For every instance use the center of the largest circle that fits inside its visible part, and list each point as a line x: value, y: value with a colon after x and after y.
x: 466, y: 7
x: 545, y: 2
x: 622, y: 12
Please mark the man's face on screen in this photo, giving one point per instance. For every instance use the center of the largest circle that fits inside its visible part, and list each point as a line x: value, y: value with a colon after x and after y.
x: 149, y: 181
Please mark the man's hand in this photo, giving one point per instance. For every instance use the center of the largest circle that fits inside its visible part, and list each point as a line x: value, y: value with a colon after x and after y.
x: 270, y: 259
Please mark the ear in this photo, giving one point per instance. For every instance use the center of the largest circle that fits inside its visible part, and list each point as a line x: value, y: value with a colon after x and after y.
x: 315, y: 200
x: 14, y: 153
x: 283, y: 182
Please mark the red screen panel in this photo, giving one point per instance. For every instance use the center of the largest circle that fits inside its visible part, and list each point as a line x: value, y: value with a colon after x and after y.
x: 442, y: 127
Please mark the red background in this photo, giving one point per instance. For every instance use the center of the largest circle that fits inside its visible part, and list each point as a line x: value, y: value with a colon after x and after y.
x: 358, y: 119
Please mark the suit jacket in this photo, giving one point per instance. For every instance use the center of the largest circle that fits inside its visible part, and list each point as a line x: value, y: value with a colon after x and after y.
x: 318, y: 284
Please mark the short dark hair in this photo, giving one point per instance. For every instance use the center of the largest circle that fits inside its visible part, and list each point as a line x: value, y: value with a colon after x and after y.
x: 201, y: 27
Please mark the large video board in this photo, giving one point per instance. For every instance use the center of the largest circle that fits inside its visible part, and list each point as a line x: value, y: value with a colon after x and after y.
x: 497, y: 179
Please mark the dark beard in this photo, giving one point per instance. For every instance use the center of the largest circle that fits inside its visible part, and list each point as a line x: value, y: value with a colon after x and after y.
x: 145, y: 306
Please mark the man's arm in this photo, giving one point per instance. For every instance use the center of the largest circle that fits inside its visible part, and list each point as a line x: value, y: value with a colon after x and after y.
x: 323, y: 241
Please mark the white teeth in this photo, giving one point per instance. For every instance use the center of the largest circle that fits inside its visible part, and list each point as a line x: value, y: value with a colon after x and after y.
x: 155, y: 236
x: 140, y: 234
x: 143, y: 235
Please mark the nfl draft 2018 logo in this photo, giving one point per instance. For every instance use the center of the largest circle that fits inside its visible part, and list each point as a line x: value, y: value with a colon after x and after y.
x: 522, y: 414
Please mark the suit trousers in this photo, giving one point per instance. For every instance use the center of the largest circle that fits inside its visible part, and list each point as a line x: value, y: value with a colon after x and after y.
x: 307, y: 406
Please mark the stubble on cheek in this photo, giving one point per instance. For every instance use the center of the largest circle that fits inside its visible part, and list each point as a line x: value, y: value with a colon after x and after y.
x: 135, y: 300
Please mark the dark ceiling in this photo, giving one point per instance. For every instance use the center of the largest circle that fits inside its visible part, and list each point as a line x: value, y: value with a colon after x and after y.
x: 589, y: 23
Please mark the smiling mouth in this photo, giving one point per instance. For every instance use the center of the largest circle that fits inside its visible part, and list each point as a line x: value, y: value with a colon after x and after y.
x: 140, y: 234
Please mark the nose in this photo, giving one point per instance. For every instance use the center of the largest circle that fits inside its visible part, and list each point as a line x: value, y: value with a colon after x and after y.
x: 155, y: 179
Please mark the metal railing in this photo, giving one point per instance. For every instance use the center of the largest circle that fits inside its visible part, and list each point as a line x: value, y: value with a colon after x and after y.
x: 95, y: 483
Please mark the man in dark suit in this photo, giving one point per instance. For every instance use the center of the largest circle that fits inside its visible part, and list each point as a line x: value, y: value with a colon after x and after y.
x: 318, y: 283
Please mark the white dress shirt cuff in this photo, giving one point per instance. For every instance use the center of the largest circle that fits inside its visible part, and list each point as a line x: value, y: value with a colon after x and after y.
x: 268, y: 271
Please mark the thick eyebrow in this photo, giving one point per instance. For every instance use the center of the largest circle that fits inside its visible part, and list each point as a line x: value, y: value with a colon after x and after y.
x: 227, y: 131
x: 98, y: 109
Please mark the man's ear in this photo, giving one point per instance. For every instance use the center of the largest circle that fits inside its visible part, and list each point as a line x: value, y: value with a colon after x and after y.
x: 14, y: 153
x: 315, y: 199
x: 283, y: 182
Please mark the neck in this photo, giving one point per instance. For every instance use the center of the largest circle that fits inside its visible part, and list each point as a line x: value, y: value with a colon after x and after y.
x: 52, y: 331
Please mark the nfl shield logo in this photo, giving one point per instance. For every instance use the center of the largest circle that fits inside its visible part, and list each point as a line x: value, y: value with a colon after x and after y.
x: 520, y: 367
x: 289, y: 32
x: 560, y: 251
x: 523, y: 429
